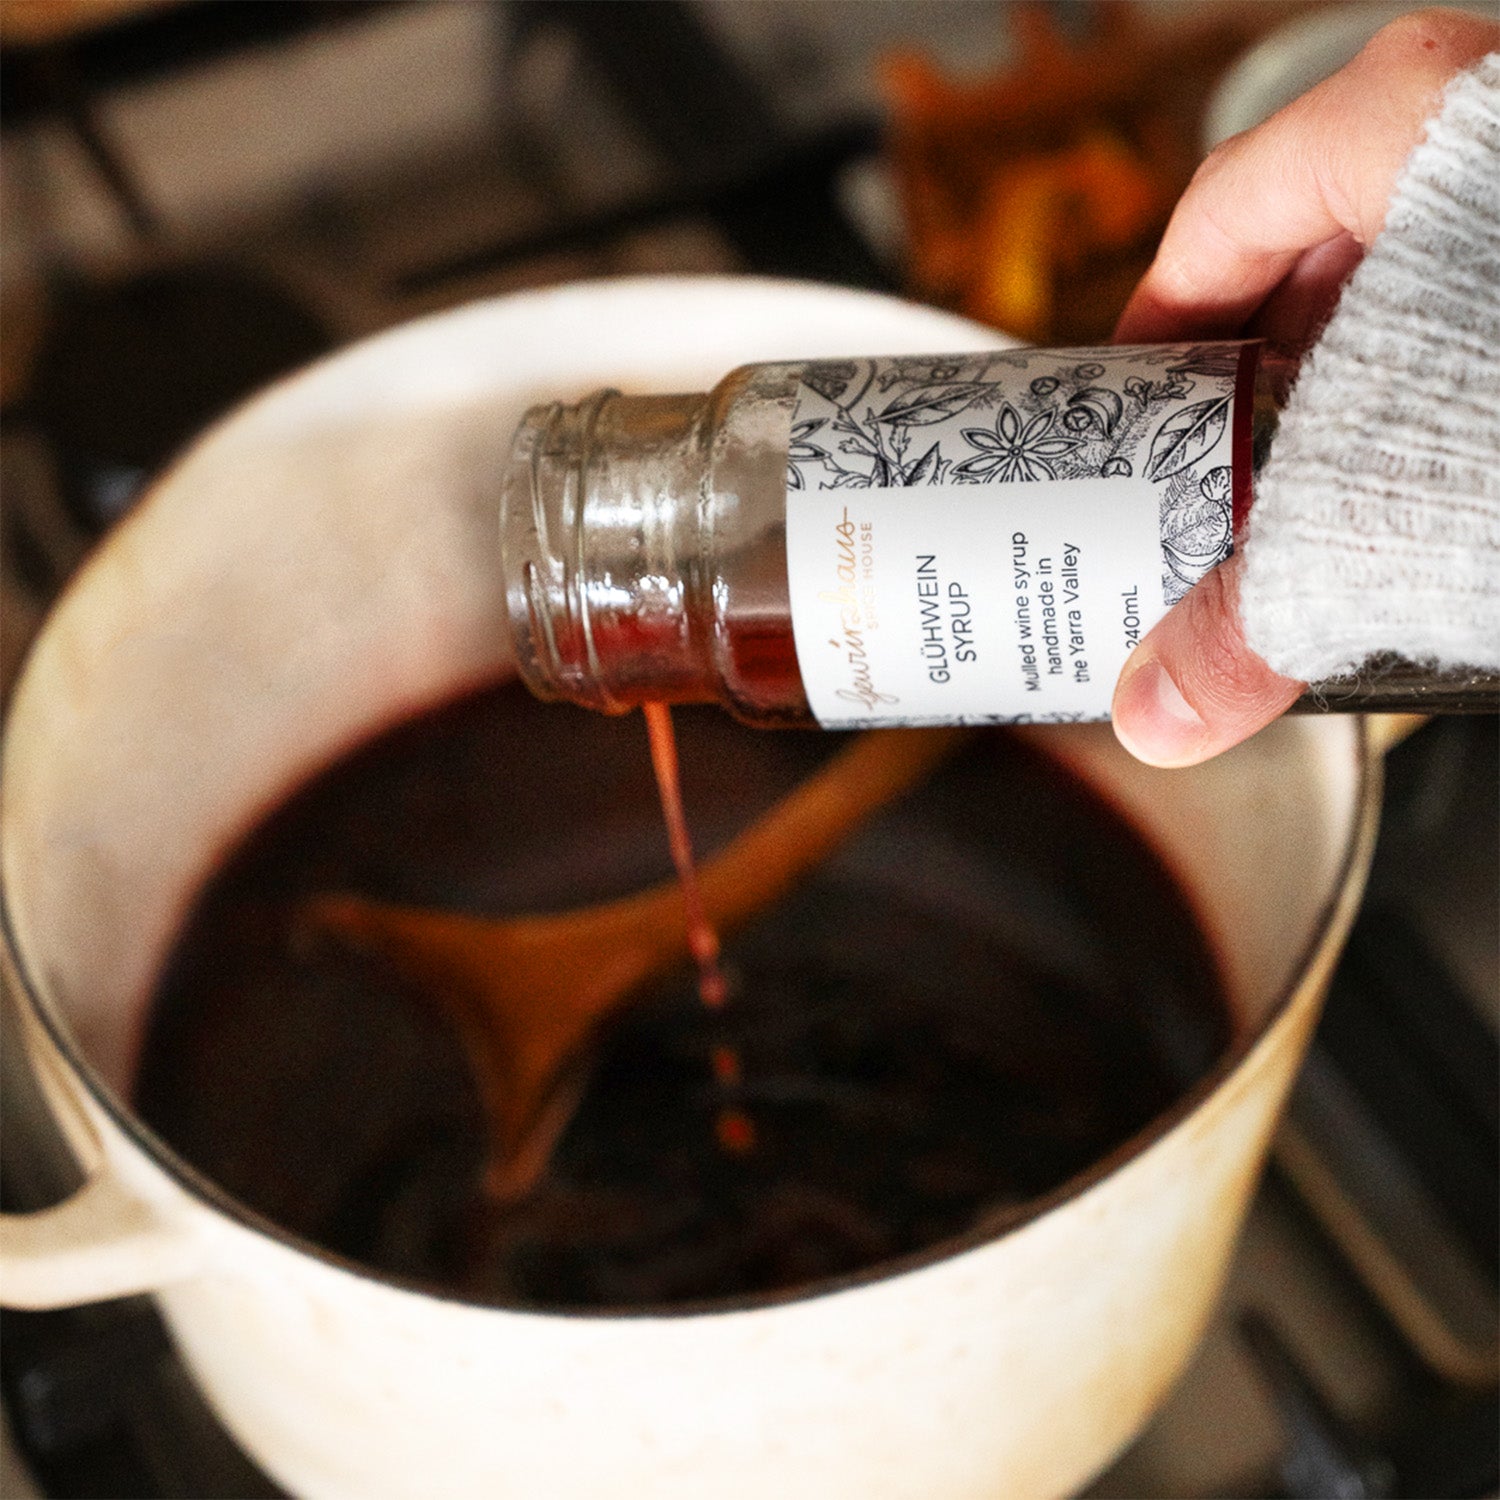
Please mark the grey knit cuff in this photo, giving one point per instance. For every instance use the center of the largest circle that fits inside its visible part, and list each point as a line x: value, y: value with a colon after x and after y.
x: 1376, y: 523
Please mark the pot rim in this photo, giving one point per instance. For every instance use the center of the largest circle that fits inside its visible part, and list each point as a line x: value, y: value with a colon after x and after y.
x: 1327, y: 932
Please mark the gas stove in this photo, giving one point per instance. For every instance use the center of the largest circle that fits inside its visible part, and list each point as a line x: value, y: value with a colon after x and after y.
x: 166, y: 251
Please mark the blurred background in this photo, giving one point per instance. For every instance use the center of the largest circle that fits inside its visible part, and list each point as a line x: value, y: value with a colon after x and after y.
x: 197, y: 195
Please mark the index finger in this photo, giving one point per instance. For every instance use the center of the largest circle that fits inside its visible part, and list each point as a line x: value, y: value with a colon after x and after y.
x: 1322, y: 167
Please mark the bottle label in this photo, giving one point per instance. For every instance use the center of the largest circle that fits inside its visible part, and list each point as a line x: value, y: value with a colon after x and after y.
x: 983, y: 539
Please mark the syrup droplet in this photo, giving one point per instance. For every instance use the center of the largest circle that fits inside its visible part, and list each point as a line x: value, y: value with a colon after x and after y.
x: 735, y: 1131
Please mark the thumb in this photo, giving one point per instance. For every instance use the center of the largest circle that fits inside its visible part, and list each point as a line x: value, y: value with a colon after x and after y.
x: 1193, y: 687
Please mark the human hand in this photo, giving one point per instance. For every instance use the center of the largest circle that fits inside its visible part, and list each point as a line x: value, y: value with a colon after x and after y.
x: 1261, y: 242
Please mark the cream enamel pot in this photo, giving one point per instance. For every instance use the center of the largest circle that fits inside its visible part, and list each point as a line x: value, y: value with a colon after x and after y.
x: 322, y: 564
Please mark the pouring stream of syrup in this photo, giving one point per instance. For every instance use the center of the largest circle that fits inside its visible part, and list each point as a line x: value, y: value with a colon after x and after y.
x: 733, y: 1127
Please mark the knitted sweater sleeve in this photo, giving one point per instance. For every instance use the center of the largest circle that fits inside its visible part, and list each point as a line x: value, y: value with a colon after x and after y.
x: 1376, y: 524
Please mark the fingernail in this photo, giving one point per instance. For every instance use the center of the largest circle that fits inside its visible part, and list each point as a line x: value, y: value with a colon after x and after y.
x: 1152, y: 718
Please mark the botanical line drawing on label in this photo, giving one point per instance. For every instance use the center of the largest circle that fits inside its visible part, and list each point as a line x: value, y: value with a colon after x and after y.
x: 1162, y: 412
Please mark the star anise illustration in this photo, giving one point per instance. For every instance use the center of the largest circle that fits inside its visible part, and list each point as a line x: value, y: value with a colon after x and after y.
x: 1014, y: 450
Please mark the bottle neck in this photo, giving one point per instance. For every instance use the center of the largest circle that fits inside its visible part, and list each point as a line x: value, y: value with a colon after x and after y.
x: 601, y: 520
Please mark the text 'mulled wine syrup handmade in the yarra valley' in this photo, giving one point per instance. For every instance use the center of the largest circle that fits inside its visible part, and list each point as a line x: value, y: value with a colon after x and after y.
x: 974, y: 538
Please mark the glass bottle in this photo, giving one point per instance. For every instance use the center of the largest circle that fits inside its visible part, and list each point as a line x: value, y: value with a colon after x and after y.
x: 971, y: 538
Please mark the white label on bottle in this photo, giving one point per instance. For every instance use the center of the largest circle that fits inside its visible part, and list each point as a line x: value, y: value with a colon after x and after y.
x: 986, y: 538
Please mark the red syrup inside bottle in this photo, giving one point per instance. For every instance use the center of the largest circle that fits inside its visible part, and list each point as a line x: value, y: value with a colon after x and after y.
x: 733, y: 1128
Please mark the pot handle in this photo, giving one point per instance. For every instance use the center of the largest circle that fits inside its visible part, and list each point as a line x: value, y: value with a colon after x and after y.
x: 113, y: 1234
x: 103, y: 1242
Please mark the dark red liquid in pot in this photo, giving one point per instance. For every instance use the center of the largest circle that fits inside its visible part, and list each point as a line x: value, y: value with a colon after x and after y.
x: 990, y: 988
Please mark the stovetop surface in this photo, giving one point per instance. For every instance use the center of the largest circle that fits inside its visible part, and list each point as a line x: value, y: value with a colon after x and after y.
x: 1354, y: 1352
